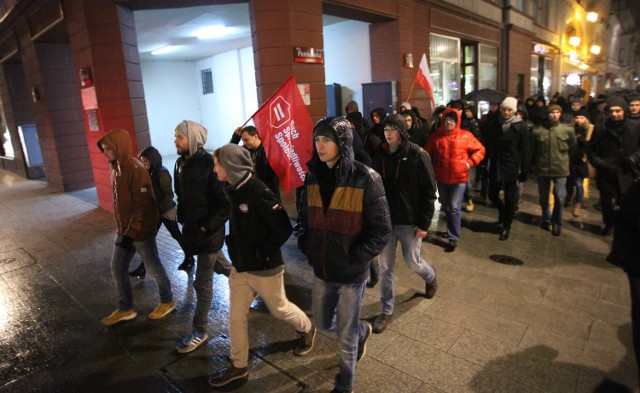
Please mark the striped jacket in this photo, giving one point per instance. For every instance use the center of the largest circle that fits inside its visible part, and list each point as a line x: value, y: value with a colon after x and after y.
x: 341, y: 240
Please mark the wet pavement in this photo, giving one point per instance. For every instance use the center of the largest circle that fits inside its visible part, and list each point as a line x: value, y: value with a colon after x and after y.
x: 533, y: 314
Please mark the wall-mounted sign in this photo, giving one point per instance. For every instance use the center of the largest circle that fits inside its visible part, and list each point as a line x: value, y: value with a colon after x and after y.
x: 305, y: 92
x: 89, y: 99
x: 308, y: 55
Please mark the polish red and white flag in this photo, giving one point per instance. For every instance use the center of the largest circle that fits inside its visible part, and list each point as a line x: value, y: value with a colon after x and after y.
x: 423, y: 78
x: 286, y: 130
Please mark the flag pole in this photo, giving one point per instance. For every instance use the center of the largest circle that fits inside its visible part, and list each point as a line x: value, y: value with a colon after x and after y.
x: 265, y: 101
x: 411, y: 90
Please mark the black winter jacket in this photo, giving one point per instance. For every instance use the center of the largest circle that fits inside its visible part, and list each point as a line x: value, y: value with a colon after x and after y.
x: 509, y: 152
x: 160, y: 179
x: 615, y: 153
x: 625, y: 250
x: 259, y: 226
x: 201, y: 202
x: 409, y: 183
x: 341, y: 242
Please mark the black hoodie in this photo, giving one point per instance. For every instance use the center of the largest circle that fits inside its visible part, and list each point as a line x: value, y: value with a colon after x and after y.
x: 160, y: 179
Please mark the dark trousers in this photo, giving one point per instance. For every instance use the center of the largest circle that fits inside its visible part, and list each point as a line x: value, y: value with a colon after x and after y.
x: 608, y: 201
x: 174, y: 230
x: 634, y: 285
x: 508, y: 208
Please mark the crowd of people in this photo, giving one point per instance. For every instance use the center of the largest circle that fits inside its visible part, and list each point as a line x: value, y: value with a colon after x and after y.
x: 368, y: 187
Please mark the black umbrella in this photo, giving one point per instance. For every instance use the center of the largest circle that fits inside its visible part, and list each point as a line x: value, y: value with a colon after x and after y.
x: 489, y: 95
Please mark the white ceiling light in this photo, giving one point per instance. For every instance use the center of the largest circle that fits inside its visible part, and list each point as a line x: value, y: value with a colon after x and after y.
x: 164, y: 49
x: 216, y: 31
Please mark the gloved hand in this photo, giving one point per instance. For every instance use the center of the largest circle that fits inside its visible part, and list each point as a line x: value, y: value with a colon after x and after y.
x: 126, y: 243
x: 523, y: 177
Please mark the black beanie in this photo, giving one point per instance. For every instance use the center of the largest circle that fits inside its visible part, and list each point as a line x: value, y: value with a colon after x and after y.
x: 236, y: 161
x: 618, y: 101
x: 324, y: 129
x: 581, y: 112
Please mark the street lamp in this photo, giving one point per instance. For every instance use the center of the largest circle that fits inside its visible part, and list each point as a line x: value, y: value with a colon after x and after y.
x: 574, y: 41
x: 595, y: 49
x: 592, y: 17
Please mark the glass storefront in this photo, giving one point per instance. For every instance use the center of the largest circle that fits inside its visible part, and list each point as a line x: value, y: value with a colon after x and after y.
x: 445, y: 67
x: 541, y: 75
x: 488, y: 67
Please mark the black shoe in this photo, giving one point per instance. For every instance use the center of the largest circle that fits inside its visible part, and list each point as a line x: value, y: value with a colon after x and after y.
x: 297, y: 227
x: 336, y: 390
x: 430, y: 288
x: 555, y: 230
x: 381, y: 323
x: 140, y: 271
x: 229, y: 376
x: 504, y: 235
x: 187, y: 264
x: 606, y: 231
x: 451, y: 246
x: 362, y: 343
x: 305, y: 343
x: 545, y: 225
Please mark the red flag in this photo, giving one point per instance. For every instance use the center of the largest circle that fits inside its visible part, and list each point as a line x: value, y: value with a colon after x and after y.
x: 423, y: 78
x: 286, y: 130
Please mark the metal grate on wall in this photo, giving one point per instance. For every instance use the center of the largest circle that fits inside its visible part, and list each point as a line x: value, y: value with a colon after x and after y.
x: 442, y: 48
x: 207, y: 81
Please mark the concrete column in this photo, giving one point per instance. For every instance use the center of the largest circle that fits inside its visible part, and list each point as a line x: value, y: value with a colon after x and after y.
x: 277, y: 27
x: 102, y: 38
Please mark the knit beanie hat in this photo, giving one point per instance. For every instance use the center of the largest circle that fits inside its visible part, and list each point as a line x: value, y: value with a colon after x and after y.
x: 236, y: 161
x: 618, y: 101
x: 554, y: 107
x: 511, y: 103
x: 324, y: 129
x: 581, y: 112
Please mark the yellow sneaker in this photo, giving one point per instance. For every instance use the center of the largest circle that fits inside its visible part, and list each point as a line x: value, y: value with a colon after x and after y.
x: 119, y: 316
x: 162, y: 310
x: 470, y: 206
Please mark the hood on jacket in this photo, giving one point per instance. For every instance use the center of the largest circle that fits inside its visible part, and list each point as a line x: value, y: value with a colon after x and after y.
x: 153, y: 155
x: 454, y: 111
x: 340, y: 125
x: 381, y: 113
x: 119, y: 141
x: 413, y: 117
x: 398, y: 122
x: 196, y: 134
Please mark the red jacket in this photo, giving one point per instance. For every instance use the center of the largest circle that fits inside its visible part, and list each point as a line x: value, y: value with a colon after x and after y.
x: 451, y: 151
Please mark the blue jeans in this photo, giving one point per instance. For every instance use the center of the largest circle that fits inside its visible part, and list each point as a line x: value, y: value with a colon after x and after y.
x: 559, y: 195
x: 208, y: 263
x: 336, y: 307
x: 411, y: 245
x: 120, y: 260
x: 451, y: 198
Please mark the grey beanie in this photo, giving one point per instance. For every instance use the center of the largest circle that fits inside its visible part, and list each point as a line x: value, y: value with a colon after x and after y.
x: 236, y: 161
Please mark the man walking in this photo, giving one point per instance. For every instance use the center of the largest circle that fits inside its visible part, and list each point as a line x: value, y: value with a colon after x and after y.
x: 507, y: 143
x: 410, y: 187
x: 553, y: 143
x: 203, y: 210
x: 259, y: 226
x: 136, y: 214
x: 252, y: 142
x: 345, y: 223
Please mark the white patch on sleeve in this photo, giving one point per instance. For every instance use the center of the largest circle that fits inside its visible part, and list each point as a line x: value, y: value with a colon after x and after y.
x: 143, y: 189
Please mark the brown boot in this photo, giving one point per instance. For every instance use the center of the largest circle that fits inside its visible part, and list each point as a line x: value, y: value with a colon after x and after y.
x: 577, y: 209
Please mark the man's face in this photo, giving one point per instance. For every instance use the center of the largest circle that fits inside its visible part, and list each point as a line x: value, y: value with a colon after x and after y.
x: 328, y: 150
x: 409, y: 121
x: 392, y: 135
x: 108, y: 153
x: 145, y: 162
x: 507, y: 113
x: 181, y: 142
x: 468, y: 113
x: 634, y: 107
x: 250, y: 141
x: 580, y: 120
x: 449, y: 123
x: 375, y: 118
x: 554, y: 115
x: 575, y: 106
x: 219, y: 170
x: 616, y: 113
